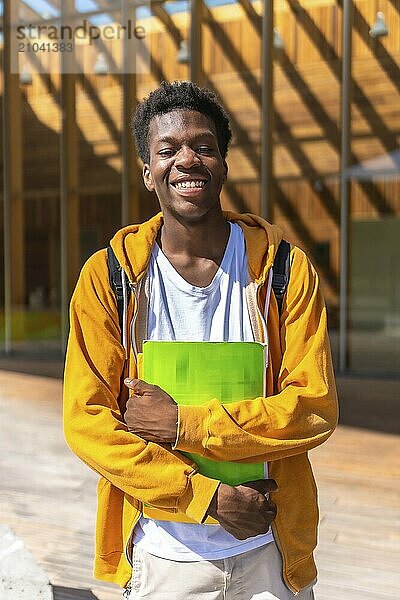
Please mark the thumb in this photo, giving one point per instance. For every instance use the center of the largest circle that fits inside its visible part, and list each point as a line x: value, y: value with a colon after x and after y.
x: 138, y: 385
x: 263, y: 486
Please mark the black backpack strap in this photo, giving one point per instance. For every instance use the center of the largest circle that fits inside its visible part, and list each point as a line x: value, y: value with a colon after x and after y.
x: 115, y: 276
x: 281, y: 272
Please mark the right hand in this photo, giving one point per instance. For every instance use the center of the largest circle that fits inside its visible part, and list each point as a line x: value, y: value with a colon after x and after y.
x: 244, y: 510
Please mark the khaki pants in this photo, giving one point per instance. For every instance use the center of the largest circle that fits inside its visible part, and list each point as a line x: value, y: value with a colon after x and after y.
x: 254, y: 575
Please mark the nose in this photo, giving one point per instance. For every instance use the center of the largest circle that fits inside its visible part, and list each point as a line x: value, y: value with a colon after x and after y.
x: 186, y: 157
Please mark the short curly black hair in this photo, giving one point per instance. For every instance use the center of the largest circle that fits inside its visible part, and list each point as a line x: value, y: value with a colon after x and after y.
x: 174, y: 96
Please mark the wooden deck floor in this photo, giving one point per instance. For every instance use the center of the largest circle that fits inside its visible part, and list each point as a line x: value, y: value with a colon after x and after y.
x: 48, y: 498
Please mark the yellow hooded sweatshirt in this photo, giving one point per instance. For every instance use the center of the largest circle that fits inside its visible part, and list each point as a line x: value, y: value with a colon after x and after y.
x: 298, y: 413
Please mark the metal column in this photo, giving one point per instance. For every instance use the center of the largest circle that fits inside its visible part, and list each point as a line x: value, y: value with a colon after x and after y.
x: 69, y: 196
x: 267, y: 111
x: 347, y: 20
x: 130, y: 169
x: 14, y: 230
x: 196, y: 68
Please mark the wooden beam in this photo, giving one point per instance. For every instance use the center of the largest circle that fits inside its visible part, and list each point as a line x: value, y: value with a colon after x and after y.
x: 252, y: 14
x: 14, y: 218
x: 166, y: 19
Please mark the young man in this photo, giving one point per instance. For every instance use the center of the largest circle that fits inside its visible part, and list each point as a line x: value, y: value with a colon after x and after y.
x: 198, y: 274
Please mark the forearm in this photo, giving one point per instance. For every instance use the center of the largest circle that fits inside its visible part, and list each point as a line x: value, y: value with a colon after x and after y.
x: 292, y: 422
x: 303, y: 412
x: 149, y: 472
x: 93, y: 423
x: 235, y: 435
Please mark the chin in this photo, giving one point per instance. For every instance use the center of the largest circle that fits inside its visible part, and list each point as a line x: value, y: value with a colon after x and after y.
x: 190, y: 211
x: 195, y: 213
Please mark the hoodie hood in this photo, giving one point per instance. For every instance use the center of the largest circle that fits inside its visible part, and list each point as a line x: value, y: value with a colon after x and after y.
x: 133, y: 244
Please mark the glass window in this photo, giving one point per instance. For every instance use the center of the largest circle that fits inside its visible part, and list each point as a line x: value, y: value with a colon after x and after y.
x: 374, y: 278
x: 374, y: 226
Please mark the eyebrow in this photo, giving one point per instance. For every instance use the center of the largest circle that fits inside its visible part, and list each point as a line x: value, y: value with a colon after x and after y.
x: 170, y: 139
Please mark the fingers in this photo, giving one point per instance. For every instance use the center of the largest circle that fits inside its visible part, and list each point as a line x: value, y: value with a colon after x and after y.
x: 138, y: 385
x: 272, y: 510
x: 263, y: 486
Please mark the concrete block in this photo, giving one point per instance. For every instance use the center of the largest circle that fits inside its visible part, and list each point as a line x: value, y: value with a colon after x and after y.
x: 20, y: 577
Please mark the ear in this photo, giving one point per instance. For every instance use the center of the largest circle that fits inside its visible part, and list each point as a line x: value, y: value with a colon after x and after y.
x: 147, y: 178
x: 226, y: 170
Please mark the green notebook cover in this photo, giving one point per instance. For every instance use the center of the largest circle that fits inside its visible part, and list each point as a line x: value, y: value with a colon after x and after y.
x: 195, y: 372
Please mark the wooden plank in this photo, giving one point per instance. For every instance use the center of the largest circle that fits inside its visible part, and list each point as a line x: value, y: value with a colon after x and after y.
x: 48, y: 498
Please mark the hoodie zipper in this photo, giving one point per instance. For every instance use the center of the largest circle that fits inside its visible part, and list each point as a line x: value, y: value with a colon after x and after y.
x: 135, y: 291
x: 263, y: 320
x: 284, y: 563
x: 134, y: 287
x: 128, y: 542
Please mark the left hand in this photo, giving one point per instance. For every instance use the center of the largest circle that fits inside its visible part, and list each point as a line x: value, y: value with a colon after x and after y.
x: 150, y: 412
x: 244, y: 510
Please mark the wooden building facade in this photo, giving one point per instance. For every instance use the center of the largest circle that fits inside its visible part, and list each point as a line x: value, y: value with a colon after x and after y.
x: 308, y: 175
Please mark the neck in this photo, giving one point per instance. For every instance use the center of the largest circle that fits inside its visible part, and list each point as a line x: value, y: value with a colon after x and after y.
x: 206, y: 238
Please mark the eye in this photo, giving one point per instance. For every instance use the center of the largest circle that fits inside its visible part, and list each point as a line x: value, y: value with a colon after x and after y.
x: 166, y: 152
x: 204, y: 150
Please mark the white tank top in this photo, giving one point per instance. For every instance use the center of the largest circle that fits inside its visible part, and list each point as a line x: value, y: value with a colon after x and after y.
x: 181, y: 311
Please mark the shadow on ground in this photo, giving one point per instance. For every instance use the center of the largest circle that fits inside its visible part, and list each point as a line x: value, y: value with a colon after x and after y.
x: 63, y: 593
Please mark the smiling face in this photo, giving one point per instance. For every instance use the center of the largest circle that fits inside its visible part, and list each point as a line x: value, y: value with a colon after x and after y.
x: 186, y: 169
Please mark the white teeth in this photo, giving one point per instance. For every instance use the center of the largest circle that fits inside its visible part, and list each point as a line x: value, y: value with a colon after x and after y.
x: 182, y: 185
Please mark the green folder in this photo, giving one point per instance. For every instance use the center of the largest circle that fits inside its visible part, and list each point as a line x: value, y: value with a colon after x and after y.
x: 195, y: 372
